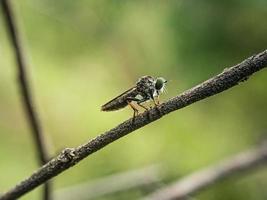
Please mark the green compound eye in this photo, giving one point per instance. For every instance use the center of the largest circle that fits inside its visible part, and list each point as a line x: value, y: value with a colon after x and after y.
x: 160, y: 83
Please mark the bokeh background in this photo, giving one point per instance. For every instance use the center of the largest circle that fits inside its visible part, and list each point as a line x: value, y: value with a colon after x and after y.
x: 83, y: 53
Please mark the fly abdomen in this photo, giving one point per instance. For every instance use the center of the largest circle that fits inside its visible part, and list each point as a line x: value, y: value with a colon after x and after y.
x: 120, y: 101
x: 114, y: 105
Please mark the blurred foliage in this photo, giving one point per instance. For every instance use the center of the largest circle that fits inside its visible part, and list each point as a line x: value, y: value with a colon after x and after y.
x: 83, y: 53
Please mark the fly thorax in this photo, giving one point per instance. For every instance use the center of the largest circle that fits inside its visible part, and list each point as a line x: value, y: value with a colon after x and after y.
x: 146, y: 86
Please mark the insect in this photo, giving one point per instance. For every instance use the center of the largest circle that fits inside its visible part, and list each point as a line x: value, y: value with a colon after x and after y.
x: 147, y: 88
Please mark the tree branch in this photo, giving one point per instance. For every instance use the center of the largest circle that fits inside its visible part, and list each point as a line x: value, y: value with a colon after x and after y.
x: 25, y: 88
x: 71, y: 156
x: 201, y: 179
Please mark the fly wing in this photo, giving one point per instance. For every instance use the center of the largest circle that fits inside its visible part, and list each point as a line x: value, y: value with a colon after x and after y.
x: 119, y: 101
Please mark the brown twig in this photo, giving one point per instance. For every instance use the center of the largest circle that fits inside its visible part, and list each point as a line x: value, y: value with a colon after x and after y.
x: 71, y: 156
x: 201, y: 179
x: 25, y: 88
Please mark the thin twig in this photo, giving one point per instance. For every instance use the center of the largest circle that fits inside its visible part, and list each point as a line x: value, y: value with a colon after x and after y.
x: 71, y: 156
x: 120, y: 182
x: 25, y: 88
x: 251, y: 159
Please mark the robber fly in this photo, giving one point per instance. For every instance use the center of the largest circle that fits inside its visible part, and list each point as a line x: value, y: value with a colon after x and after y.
x: 147, y: 88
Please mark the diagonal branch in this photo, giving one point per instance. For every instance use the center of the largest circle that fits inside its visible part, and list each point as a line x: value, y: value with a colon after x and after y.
x: 201, y: 179
x: 25, y: 87
x: 71, y: 156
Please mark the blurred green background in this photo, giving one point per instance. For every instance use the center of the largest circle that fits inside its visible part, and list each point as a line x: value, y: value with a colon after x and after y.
x: 83, y: 53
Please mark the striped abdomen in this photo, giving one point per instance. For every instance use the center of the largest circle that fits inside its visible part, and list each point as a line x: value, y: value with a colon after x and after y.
x: 120, y: 101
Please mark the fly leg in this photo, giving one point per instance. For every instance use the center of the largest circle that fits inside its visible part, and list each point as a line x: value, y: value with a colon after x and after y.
x: 148, y: 113
x: 151, y: 95
x: 139, y: 103
x: 156, y: 103
x: 157, y: 100
x: 134, y: 109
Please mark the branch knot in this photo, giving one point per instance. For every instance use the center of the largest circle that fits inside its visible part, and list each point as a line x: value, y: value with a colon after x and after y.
x: 67, y: 155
